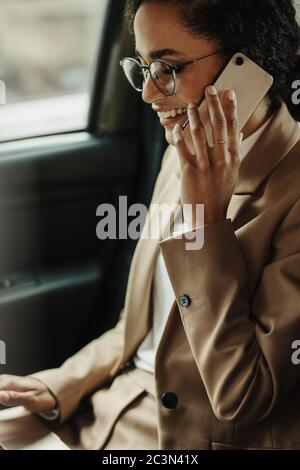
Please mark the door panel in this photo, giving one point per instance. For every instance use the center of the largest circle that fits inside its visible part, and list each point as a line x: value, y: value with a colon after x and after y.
x: 52, y: 264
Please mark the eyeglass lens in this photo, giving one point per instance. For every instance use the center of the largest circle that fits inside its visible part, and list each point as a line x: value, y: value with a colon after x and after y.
x: 161, y: 74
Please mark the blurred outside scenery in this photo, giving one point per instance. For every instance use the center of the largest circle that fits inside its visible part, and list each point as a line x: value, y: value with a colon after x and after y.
x: 48, y: 51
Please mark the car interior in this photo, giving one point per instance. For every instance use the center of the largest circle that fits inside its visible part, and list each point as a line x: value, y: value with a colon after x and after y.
x: 60, y: 285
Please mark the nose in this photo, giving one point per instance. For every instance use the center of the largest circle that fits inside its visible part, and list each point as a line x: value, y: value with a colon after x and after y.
x: 150, y: 92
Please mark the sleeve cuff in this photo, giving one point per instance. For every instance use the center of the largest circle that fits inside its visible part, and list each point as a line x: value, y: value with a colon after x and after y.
x: 51, y: 415
x: 185, y: 229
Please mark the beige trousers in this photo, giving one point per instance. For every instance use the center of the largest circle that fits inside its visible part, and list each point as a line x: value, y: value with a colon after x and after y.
x: 123, y: 416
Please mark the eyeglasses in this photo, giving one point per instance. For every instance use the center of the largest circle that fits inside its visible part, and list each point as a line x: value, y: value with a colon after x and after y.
x: 162, y: 73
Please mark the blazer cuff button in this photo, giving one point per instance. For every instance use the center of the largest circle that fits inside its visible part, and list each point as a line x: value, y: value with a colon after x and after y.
x: 184, y: 300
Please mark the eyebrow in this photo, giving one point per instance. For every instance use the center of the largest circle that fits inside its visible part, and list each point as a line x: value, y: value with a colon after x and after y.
x: 162, y: 53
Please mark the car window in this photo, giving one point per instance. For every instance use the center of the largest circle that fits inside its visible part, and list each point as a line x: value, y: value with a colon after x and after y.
x: 48, y: 51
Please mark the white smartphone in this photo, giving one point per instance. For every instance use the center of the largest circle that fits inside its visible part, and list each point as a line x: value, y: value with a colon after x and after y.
x: 249, y: 81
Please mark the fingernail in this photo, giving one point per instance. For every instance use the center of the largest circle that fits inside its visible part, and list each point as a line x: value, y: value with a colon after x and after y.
x: 211, y: 90
x: 231, y: 95
x: 192, y: 106
x: 241, y: 137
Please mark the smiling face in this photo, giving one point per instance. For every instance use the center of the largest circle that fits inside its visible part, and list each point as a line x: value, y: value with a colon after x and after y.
x: 158, y: 28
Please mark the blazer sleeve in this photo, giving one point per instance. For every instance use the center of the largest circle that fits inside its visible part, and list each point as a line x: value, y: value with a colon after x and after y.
x: 241, y: 345
x: 85, y: 371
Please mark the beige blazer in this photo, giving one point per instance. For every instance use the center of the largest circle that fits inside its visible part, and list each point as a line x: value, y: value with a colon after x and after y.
x: 226, y: 356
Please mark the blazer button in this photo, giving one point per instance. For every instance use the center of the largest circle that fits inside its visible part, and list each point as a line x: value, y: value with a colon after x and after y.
x: 169, y: 400
x: 184, y: 300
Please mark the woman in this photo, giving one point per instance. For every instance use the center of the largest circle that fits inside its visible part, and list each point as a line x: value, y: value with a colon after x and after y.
x: 216, y: 369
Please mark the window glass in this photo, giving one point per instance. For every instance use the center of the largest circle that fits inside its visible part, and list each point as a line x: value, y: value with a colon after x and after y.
x: 48, y: 51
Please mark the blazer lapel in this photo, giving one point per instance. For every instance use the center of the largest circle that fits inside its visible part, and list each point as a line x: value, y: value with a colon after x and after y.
x: 278, y: 138
x: 138, y: 294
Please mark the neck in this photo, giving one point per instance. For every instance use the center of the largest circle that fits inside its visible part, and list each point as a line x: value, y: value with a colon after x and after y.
x: 258, y: 118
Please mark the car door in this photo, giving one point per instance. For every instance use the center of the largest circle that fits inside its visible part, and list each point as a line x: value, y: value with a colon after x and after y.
x: 63, y: 153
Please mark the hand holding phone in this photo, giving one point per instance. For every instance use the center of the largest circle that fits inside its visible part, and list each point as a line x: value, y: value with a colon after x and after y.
x: 249, y: 81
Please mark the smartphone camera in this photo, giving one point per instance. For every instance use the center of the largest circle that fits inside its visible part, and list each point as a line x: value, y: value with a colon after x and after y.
x: 239, y: 61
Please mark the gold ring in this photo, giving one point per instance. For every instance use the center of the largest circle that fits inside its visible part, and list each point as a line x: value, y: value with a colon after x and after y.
x: 219, y: 141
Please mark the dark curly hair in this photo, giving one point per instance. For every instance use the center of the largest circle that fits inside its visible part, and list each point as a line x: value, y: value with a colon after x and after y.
x: 264, y: 30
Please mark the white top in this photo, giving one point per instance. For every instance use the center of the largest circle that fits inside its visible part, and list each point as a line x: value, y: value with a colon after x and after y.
x: 162, y: 298
x: 162, y: 293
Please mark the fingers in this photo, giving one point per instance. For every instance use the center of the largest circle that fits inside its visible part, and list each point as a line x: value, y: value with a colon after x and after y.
x: 230, y: 111
x: 15, y: 383
x: 12, y: 398
x: 182, y: 150
x: 224, y: 127
x: 198, y: 135
x: 25, y: 391
x: 15, y: 391
x: 198, y: 138
x: 219, y: 126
